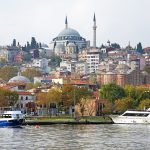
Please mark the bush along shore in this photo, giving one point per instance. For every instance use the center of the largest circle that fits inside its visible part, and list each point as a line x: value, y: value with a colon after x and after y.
x: 41, y: 120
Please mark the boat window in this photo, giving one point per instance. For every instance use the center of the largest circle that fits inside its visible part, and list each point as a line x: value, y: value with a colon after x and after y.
x: 5, y: 116
x: 136, y: 114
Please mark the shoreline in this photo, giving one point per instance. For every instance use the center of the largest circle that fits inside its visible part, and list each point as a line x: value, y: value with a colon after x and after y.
x: 52, y: 121
x: 69, y: 123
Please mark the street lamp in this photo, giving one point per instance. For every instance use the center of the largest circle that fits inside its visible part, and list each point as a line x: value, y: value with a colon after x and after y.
x: 74, y: 102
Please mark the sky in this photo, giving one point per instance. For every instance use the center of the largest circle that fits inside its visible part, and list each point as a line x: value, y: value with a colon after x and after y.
x: 119, y: 21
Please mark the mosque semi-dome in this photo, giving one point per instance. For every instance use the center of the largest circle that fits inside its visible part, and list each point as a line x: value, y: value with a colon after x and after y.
x: 19, y: 78
x: 71, y: 45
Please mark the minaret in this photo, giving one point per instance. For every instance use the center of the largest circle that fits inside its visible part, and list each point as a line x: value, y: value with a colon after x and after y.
x: 94, y: 31
x: 66, y: 22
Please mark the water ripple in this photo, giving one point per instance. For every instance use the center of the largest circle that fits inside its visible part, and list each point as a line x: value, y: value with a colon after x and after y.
x: 73, y: 137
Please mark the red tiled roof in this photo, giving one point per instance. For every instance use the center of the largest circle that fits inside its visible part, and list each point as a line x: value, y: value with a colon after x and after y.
x: 147, y: 48
x: 24, y: 93
x: 7, y: 87
x: 81, y: 82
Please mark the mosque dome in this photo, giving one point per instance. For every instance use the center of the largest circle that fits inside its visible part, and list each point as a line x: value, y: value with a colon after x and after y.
x: 69, y: 32
x: 66, y: 36
x: 122, y: 66
x: 19, y: 78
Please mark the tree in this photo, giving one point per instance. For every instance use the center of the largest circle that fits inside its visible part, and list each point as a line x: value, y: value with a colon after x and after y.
x: 53, y: 97
x: 28, y: 47
x: 55, y: 61
x: 14, y: 42
x: 123, y: 104
x: 87, y: 105
x: 112, y: 92
x: 144, y: 104
x: 130, y: 91
x: 40, y: 45
x: 115, y: 45
x: 144, y: 94
x: 136, y: 93
x: 67, y: 96
x: 8, y: 72
x: 12, y: 97
x: 8, y: 98
x: 72, y: 96
x: 31, y: 73
x: 139, y: 48
x: 41, y: 98
x: 27, y: 57
x: 32, y: 85
x: 3, y: 101
x: 81, y: 97
x: 33, y: 43
x: 147, y: 69
x: 90, y: 106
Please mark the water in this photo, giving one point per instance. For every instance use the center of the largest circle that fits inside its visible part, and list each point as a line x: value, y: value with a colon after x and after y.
x: 76, y: 137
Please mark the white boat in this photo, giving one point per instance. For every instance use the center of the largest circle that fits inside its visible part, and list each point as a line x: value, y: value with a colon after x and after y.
x: 11, y: 119
x: 133, y: 117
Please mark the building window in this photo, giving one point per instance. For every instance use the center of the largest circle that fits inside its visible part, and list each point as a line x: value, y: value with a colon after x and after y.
x: 26, y: 97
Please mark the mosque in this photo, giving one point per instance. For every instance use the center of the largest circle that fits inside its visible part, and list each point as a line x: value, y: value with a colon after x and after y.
x: 69, y: 42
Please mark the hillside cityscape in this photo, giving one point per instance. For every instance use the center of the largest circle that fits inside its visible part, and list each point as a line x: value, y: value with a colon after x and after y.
x: 75, y: 76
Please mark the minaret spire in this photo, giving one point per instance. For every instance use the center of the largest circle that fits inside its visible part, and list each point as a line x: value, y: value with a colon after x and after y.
x: 66, y: 22
x: 94, y: 31
x: 94, y: 19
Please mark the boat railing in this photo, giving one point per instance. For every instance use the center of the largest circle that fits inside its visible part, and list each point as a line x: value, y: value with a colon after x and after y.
x: 138, y: 110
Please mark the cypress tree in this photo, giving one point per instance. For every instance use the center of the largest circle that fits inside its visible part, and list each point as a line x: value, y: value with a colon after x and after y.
x: 33, y: 43
x: 139, y: 48
x: 14, y: 42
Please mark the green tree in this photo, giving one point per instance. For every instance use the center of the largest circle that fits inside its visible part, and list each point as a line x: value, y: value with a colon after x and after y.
x: 8, y: 98
x: 131, y: 91
x: 115, y: 45
x: 139, y: 48
x: 55, y: 61
x: 144, y: 94
x: 3, y: 100
x: 123, y: 104
x: 73, y: 95
x: 112, y: 92
x: 14, y: 42
x: 8, y: 72
x: 144, y: 104
x: 67, y: 96
x: 31, y: 73
x: 28, y: 47
x: 33, y: 43
x: 136, y: 93
x: 12, y: 97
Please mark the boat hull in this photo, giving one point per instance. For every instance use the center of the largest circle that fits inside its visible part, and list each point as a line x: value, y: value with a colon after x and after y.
x: 11, y: 123
x: 130, y: 120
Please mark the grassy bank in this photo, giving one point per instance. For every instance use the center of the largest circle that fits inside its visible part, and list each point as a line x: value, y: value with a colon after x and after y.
x: 68, y: 119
